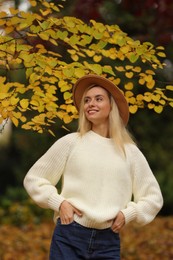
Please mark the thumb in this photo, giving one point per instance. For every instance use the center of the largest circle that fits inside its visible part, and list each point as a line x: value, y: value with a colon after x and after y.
x: 78, y: 212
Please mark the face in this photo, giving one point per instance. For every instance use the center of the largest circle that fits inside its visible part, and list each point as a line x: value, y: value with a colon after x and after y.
x: 97, y: 105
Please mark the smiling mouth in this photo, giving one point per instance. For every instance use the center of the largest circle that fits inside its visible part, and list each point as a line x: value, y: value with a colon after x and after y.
x: 92, y: 111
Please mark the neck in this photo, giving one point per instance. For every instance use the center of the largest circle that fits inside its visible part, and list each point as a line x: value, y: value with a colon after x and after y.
x: 101, y: 130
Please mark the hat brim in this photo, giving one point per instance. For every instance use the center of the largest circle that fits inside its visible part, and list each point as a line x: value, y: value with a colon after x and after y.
x: 86, y: 81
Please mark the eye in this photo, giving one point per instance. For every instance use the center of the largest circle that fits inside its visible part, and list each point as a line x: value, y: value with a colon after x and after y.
x: 99, y: 98
x: 86, y: 100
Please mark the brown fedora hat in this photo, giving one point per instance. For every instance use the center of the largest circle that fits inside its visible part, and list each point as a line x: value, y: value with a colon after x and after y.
x: 86, y: 81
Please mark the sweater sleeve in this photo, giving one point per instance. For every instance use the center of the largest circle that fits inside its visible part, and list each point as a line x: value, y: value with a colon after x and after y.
x: 41, y: 179
x: 147, y: 196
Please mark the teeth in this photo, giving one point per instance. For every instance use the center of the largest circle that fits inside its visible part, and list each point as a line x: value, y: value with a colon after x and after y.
x: 92, y: 111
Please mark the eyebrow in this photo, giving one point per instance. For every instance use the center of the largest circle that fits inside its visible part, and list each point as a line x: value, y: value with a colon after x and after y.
x: 98, y: 95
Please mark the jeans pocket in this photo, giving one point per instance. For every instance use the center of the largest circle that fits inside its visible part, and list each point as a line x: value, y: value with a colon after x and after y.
x: 68, y: 224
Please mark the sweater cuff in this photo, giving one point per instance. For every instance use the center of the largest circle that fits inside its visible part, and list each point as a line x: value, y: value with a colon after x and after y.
x: 129, y: 214
x: 55, y: 201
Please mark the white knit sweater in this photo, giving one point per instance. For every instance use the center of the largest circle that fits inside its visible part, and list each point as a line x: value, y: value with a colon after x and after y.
x: 96, y: 179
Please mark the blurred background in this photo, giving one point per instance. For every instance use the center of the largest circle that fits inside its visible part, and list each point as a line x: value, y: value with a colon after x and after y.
x: 149, y: 20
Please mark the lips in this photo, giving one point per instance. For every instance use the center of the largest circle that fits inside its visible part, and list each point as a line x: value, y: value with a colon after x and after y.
x: 92, y: 111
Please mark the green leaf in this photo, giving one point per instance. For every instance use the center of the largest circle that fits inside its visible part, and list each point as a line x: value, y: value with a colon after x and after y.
x: 133, y: 57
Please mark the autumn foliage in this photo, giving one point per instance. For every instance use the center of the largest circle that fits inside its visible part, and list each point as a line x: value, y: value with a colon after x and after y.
x: 154, y: 241
x: 53, y: 52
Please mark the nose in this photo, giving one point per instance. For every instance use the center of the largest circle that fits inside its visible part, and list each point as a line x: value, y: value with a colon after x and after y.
x: 91, y: 103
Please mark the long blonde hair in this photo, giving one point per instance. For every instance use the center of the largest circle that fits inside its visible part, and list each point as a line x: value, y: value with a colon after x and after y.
x: 117, y: 130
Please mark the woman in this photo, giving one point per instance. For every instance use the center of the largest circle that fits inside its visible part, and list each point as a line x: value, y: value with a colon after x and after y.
x: 102, y: 169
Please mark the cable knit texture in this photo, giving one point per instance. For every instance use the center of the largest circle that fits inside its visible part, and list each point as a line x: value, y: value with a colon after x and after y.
x: 96, y: 179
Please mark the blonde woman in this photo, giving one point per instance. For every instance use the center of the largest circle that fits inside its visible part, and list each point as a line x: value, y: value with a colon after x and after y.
x: 102, y: 169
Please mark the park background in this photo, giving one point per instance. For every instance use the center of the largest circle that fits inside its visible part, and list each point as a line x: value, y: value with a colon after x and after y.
x: 25, y: 229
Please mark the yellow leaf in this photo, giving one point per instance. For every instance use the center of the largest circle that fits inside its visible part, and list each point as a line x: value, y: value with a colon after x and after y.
x: 10, y: 108
x: 74, y: 39
x: 3, y: 14
x: 141, y: 81
x: 2, y: 79
x: 151, y: 72
x: 13, y: 11
x: 129, y: 94
x: 71, y: 108
x: 137, y: 69
x: 1, y: 119
x: 140, y: 97
x: 128, y: 67
x: 15, y: 121
x: 147, y: 98
x: 9, y: 29
x: 4, y: 113
x: 96, y: 68
x: 90, y: 53
x: 79, y: 72
x: 161, y: 54
x: 75, y: 57
x: 129, y: 86
x: 129, y: 75
x: 52, y: 133
x: 60, y: 114
x: 120, y: 68
x: 68, y: 72
x: 53, y: 42
x: 16, y: 114
x: 151, y: 105
x: 148, y: 78
x: 33, y: 3
x: 23, y: 119
x: 22, y: 26
x: 125, y: 49
x: 4, y: 95
x: 150, y: 84
x: 162, y: 102
x: 26, y: 127
x: 48, y: 70
x: 67, y: 95
x: 155, y: 66
x: 133, y: 109
x: 117, y: 81
x: 35, y: 29
x: 2, y: 22
x: 62, y: 84
x: 72, y: 52
x: 24, y: 103
x: 97, y: 58
x: 44, y: 36
x: 62, y: 35
x: 158, y: 109
x: 160, y: 48
x: 14, y: 100
x: 45, y: 12
x: 169, y: 87
x: 98, y: 35
x: 34, y: 103
x: 156, y: 98
x: 67, y: 119
x: 132, y: 100
x: 5, y: 103
x: 15, y: 20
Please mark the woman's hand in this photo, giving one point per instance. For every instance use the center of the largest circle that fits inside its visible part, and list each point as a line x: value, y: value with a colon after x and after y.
x: 67, y: 212
x: 118, y: 222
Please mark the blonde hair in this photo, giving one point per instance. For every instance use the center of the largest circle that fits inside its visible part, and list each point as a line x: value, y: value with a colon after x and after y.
x: 117, y: 130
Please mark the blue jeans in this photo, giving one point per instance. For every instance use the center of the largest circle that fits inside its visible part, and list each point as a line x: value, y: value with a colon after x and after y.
x: 75, y: 242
